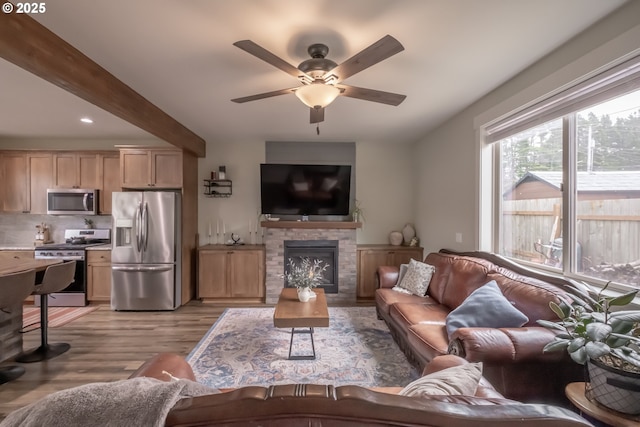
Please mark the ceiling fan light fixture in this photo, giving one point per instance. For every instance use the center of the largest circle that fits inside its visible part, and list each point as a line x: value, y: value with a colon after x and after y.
x: 317, y: 95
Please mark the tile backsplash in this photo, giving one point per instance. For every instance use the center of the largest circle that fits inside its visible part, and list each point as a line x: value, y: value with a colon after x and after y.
x: 19, y: 230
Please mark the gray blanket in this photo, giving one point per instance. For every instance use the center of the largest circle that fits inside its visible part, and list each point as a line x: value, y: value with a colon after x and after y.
x: 133, y: 402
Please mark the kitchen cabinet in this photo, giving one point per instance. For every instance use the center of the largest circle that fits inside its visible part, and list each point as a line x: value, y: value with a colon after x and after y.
x: 143, y: 168
x: 98, y: 275
x: 15, y: 182
x: 370, y: 257
x: 25, y: 179
x: 75, y: 170
x: 109, y: 179
x: 231, y: 273
x: 40, y: 178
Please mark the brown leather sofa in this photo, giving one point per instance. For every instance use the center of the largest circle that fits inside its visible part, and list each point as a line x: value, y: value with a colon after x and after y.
x: 321, y: 405
x: 512, y: 357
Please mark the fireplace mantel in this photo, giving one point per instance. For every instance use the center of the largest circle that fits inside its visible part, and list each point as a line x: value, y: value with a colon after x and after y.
x: 312, y: 224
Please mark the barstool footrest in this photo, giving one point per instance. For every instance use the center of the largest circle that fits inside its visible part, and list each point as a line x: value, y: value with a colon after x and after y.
x: 43, y: 353
x: 10, y: 373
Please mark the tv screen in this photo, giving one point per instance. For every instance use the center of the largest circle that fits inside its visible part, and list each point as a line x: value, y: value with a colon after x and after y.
x: 305, y: 189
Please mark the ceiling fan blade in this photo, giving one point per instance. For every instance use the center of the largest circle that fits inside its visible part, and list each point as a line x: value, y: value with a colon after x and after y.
x: 264, y: 95
x: 317, y: 115
x: 262, y: 53
x: 372, y: 95
x: 379, y: 51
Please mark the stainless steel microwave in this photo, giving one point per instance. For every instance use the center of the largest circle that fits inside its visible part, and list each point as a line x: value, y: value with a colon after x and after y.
x: 72, y: 201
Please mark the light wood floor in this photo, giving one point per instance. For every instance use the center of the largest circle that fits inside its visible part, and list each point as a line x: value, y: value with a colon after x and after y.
x: 106, y: 346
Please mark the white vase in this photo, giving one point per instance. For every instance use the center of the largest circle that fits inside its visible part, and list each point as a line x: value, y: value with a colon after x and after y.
x: 408, y: 232
x: 304, y: 294
x: 395, y: 238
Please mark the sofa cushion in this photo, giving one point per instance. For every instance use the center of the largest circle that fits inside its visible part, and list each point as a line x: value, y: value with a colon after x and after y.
x: 485, y: 307
x: 457, y: 380
x: 386, y: 297
x: 405, y: 315
x: 416, y: 279
x: 428, y: 341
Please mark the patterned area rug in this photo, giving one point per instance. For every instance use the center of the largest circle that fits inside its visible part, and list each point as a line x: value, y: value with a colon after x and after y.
x: 58, y: 316
x: 244, y: 348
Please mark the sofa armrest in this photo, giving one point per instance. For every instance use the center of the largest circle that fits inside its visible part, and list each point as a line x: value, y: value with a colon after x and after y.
x: 164, y: 365
x: 504, y: 345
x: 387, y: 276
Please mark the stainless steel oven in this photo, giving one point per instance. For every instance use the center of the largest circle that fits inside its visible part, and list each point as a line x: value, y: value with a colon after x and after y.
x: 74, y: 249
x: 74, y: 295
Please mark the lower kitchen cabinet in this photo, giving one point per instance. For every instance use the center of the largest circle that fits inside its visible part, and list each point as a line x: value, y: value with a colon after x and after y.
x: 370, y: 257
x: 231, y: 273
x: 99, y: 276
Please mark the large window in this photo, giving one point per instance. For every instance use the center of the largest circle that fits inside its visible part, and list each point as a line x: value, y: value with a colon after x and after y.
x: 568, y: 176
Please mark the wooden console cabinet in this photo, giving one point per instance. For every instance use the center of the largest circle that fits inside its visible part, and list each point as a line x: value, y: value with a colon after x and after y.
x: 370, y: 257
x: 99, y: 276
x: 231, y: 274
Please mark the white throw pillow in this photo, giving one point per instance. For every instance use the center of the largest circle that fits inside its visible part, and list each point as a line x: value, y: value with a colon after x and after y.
x: 460, y: 380
x: 417, y: 278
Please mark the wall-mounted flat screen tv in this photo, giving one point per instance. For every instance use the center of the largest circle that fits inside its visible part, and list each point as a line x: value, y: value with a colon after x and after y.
x: 288, y: 189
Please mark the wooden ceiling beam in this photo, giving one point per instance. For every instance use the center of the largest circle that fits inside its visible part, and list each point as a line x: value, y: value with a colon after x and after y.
x: 31, y: 46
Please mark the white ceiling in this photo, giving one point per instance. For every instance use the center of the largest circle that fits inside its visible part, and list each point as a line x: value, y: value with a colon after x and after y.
x: 179, y: 55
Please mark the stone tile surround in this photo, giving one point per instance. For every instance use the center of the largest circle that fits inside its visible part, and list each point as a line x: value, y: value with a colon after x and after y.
x: 274, y: 243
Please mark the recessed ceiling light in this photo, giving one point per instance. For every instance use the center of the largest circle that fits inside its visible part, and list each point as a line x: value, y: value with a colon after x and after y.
x: 86, y: 120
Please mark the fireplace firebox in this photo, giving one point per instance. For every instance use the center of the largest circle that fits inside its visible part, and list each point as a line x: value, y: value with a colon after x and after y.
x: 324, y: 250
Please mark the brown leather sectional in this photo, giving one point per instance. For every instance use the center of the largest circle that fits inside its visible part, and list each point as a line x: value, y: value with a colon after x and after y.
x: 512, y: 357
x: 328, y: 406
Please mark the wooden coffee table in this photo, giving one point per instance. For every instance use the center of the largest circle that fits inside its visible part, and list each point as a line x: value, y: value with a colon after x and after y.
x: 301, y: 317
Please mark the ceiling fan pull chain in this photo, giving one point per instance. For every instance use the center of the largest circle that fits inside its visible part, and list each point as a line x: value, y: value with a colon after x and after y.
x: 318, y: 128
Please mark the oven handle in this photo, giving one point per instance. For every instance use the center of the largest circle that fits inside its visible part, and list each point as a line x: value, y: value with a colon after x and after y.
x: 141, y: 268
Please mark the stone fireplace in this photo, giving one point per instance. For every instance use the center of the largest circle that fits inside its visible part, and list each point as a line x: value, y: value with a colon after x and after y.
x: 313, y: 234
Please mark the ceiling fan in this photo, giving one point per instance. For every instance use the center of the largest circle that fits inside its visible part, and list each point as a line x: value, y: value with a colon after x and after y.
x: 321, y: 77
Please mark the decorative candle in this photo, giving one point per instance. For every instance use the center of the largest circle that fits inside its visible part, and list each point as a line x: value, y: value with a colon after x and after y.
x: 217, y: 226
x: 209, y: 228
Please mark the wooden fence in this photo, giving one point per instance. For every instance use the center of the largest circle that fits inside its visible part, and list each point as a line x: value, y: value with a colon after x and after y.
x: 608, y: 231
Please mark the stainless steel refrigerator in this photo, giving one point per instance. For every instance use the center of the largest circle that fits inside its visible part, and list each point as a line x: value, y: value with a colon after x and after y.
x: 146, y: 255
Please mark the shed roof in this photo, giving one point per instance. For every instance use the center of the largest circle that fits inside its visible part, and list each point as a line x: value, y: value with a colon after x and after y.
x: 590, y: 181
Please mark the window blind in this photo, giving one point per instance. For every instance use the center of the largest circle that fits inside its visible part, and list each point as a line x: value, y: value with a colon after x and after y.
x: 616, y: 81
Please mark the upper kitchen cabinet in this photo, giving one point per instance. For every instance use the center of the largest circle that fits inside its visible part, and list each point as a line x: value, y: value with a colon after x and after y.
x: 144, y: 168
x: 25, y: 179
x: 15, y: 182
x: 75, y: 170
x: 109, y: 177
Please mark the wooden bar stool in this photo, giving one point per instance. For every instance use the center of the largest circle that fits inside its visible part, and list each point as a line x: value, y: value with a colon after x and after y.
x: 56, y: 278
x: 14, y: 288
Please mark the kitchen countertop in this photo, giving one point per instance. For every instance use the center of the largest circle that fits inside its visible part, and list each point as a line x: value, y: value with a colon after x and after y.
x: 16, y: 248
x: 105, y: 247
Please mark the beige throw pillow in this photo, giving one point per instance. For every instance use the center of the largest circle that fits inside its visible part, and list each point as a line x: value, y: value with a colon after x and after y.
x: 457, y: 380
x: 417, y: 278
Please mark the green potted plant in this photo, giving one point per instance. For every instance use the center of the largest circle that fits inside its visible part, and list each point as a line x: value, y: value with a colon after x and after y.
x: 305, y: 275
x: 596, y: 332
x: 88, y: 223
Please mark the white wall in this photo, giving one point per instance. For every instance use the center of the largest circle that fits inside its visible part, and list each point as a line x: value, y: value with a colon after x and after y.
x: 383, y: 186
x: 447, y: 159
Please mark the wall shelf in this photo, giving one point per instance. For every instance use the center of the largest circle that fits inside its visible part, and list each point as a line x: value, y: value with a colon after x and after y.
x: 218, y: 187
